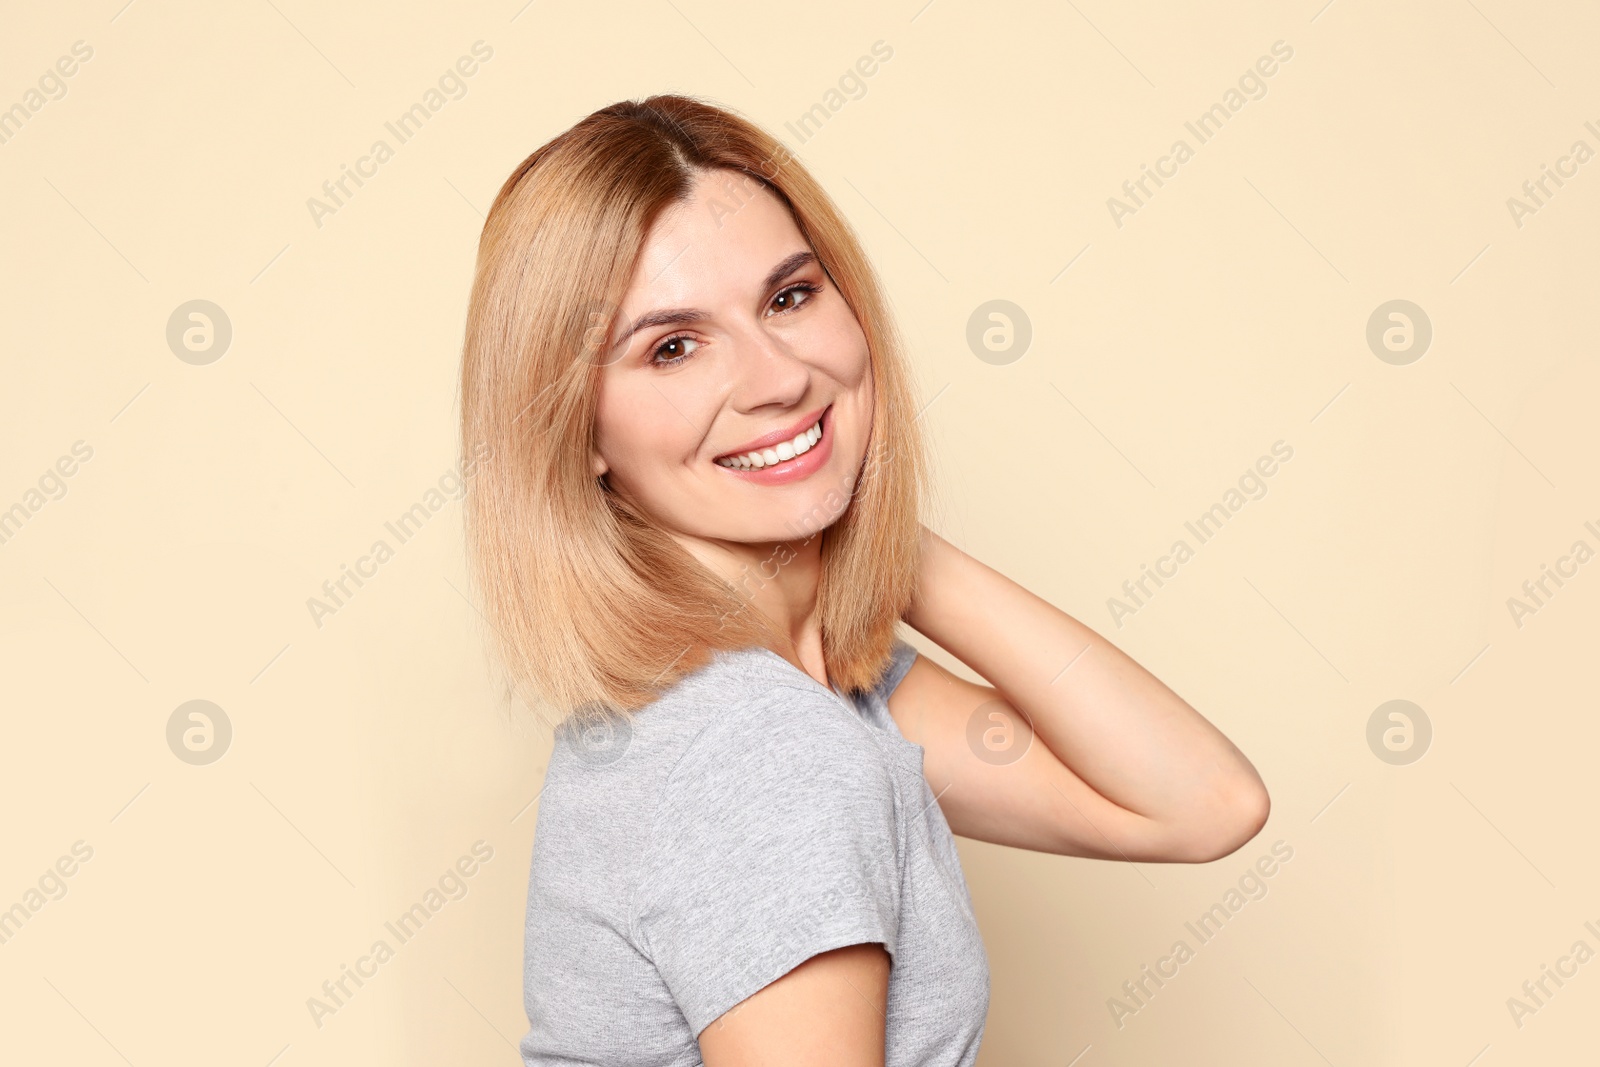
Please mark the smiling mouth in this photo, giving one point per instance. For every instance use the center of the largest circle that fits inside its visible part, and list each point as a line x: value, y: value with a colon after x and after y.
x: 799, y: 445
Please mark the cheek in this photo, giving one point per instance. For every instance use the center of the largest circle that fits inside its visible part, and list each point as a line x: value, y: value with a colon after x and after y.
x: 637, y: 428
x: 841, y: 349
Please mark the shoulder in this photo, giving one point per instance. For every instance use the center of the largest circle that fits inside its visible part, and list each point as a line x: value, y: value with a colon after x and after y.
x: 791, y: 770
x: 649, y: 741
x: 787, y: 736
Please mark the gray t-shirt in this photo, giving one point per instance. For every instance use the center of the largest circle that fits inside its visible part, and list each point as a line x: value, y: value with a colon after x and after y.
x: 745, y: 821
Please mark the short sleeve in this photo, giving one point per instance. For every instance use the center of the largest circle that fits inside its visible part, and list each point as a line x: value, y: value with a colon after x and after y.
x: 901, y: 656
x: 776, y: 839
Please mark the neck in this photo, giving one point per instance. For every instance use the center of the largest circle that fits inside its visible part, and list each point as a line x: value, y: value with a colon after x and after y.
x: 779, y: 579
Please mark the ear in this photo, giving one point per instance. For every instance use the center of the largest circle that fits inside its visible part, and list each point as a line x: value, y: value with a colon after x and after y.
x: 597, y: 464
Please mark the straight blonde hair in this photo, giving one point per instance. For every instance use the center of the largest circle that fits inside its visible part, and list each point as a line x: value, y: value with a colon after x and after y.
x: 592, y: 607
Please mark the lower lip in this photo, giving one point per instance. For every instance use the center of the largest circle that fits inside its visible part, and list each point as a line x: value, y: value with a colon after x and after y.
x: 792, y: 470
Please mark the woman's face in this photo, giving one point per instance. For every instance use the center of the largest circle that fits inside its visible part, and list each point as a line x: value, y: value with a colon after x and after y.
x: 739, y: 341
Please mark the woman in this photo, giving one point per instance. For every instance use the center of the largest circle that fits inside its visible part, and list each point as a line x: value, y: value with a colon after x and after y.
x: 695, y: 537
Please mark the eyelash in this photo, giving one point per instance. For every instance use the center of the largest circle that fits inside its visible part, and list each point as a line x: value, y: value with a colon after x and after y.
x: 804, y: 287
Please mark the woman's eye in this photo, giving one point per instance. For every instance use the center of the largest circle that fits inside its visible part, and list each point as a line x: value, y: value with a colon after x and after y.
x: 793, y: 296
x: 673, y: 349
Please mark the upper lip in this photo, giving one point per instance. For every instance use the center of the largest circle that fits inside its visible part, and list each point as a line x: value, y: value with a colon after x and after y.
x: 776, y: 437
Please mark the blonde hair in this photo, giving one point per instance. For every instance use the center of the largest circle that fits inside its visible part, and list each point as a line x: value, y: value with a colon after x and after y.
x: 591, y: 605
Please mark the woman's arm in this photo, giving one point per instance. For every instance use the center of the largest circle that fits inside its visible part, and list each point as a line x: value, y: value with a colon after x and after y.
x: 1119, y: 766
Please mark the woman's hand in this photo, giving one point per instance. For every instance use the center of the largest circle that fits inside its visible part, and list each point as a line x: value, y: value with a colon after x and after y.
x: 1119, y: 767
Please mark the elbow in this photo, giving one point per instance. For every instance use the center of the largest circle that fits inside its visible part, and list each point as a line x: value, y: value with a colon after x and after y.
x: 1251, y: 811
x: 1229, y: 825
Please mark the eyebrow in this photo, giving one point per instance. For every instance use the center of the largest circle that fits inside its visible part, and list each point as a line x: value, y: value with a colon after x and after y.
x: 679, y: 316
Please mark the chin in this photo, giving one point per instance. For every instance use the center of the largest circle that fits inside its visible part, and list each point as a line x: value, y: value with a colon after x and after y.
x: 795, y: 520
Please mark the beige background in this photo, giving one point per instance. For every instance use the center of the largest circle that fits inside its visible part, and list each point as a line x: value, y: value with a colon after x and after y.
x: 370, y: 753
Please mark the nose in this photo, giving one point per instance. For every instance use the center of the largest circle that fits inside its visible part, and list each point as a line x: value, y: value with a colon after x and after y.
x: 766, y: 371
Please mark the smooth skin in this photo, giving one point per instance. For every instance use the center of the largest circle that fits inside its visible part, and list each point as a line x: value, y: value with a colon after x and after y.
x: 1114, y: 765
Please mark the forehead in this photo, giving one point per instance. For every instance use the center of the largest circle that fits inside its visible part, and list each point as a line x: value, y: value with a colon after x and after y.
x: 729, y: 232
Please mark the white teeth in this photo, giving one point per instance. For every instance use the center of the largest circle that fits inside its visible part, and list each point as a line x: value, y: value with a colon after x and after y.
x: 766, y: 457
